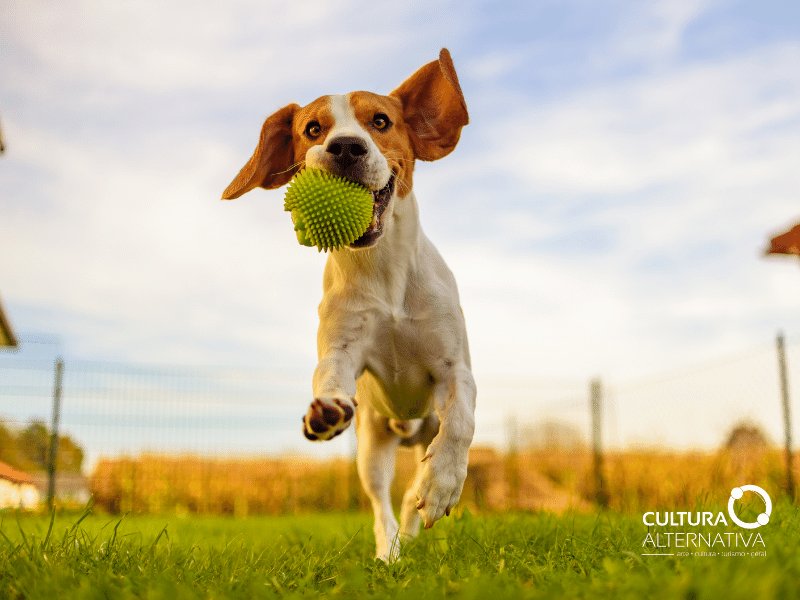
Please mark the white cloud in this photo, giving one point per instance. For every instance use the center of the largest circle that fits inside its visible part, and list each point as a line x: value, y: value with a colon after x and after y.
x: 156, y: 46
x: 652, y: 31
x: 700, y: 122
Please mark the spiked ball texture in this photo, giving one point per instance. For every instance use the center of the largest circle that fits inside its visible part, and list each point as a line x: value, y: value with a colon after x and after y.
x: 328, y: 211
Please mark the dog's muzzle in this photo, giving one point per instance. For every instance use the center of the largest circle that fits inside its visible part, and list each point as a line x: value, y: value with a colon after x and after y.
x: 380, y: 200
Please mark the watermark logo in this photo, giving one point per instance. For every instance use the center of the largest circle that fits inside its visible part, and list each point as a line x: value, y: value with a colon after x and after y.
x: 762, y: 519
x: 706, y: 533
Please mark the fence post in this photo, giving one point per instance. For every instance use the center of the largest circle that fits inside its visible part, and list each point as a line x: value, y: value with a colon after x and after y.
x: 787, y: 418
x: 56, y: 417
x: 596, y: 401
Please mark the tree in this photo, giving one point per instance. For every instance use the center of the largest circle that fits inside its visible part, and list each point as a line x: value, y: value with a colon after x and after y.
x: 746, y: 436
x: 34, y: 444
x: 70, y: 455
x: 29, y: 450
x: 8, y: 446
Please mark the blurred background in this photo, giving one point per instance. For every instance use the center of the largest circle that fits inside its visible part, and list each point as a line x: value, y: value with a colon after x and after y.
x: 606, y: 214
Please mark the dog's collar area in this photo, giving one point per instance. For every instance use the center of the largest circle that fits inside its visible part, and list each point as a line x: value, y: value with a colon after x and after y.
x: 380, y: 200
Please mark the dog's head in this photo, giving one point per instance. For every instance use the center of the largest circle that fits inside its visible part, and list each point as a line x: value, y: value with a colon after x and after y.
x: 365, y: 137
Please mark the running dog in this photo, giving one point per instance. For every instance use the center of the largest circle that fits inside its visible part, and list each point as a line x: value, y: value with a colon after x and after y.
x: 392, y: 339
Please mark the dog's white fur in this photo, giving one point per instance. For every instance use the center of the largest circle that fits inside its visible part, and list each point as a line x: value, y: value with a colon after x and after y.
x: 392, y: 336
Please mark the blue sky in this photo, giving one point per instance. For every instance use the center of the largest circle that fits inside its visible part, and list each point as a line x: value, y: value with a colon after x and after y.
x: 604, y: 212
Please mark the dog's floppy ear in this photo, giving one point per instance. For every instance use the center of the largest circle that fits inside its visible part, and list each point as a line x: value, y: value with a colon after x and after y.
x: 271, y: 163
x: 433, y: 108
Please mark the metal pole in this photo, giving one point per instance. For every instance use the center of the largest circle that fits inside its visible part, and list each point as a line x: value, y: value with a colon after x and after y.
x: 787, y: 418
x: 56, y: 417
x: 596, y: 401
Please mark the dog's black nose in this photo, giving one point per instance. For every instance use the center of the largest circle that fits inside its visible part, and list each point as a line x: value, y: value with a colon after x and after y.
x: 347, y: 149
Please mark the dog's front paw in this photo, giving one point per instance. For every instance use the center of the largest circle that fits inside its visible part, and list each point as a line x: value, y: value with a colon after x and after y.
x: 440, y: 483
x: 327, y: 417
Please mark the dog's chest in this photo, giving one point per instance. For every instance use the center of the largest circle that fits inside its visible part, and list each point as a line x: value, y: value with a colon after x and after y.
x: 400, y: 350
x: 399, y: 359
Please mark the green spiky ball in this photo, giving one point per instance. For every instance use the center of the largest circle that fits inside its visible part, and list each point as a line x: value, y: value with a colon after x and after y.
x: 328, y: 211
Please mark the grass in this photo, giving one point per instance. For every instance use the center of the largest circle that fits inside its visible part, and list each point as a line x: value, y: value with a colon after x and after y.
x: 330, y: 555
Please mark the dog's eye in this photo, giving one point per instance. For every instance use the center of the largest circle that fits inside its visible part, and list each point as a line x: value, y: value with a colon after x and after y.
x: 313, y: 130
x: 380, y: 121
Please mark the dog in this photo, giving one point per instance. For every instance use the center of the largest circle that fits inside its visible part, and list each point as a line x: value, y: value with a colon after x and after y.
x: 392, y: 339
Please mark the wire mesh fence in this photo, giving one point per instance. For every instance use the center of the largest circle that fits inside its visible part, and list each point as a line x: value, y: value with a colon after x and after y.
x: 119, y: 409
x: 229, y: 440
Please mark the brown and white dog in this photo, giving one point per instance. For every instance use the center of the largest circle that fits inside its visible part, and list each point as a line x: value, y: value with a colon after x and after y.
x: 391, y: 337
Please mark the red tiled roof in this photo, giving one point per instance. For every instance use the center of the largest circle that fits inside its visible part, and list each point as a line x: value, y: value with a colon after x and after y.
x: 786, y: 243
x: 13, y: 475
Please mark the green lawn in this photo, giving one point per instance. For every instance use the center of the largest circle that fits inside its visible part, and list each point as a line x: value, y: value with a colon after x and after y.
x: 330, y: 555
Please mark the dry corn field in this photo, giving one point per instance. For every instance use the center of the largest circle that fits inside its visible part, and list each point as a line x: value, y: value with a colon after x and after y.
x: 555, y: 480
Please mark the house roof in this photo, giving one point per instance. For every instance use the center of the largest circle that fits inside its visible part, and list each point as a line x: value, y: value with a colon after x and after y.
x: 786, y: 243
x: 7, y: 337
x: 11, y: 474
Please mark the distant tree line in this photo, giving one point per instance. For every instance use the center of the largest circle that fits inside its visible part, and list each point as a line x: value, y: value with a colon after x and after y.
x: 28, y: 449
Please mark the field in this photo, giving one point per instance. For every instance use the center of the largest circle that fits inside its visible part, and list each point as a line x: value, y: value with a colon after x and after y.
x: 516, y: 555
x: 549, y: 479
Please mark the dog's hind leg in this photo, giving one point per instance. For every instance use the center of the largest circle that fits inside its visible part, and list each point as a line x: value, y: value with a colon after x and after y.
x: 409, y: 515
x: 377, y: 447
x: 423, y: 435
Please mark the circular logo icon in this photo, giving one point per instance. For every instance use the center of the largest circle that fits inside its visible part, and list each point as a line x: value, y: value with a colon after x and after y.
x: 763, y: 518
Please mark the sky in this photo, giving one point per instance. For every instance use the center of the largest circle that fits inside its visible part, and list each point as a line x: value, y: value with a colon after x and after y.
x: 605, y: 212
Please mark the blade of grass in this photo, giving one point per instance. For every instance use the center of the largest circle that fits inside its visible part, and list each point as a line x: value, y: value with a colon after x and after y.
x: 49, y: 528
x: 158, y: 537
